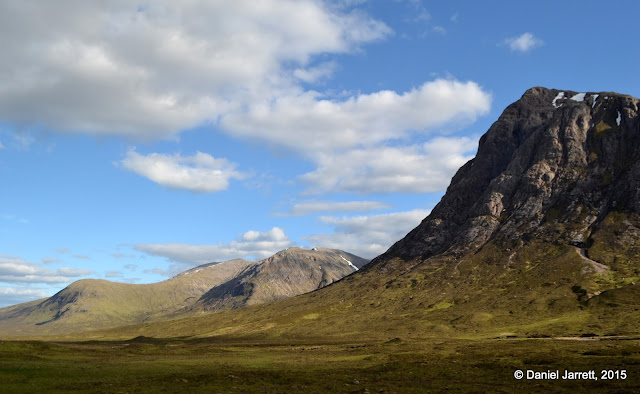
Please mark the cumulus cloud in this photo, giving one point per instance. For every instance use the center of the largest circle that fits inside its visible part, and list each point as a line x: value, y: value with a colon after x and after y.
x: 358, y: 144
x: 315, y: 206
x: 309, y: 124
x: 523, y: 43
x: 314, y: 74
x: 416, y: 168
x: 15, y: 270
x: 367, y: 236
x: 116, y: 68
x: 200, y: 173
x: 252, y: 245
x: 151, y: 72
x: 17, y: 295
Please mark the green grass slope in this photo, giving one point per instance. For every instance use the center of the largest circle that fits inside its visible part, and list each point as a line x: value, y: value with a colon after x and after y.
x: 543, y: 290
x: 96, y: 304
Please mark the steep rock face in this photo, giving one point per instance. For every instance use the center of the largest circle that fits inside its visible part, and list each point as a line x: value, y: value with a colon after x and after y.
x: 288, y: 273
x: 553, y: 166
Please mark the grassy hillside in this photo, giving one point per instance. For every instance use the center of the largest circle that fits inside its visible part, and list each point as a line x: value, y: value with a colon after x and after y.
x: 89, y: 305
x: 94, y: 304
x: 544, y: 289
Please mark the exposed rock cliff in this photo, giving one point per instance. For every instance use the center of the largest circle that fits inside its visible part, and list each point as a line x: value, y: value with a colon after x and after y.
x: 553, y: 166
x: 287, y: 273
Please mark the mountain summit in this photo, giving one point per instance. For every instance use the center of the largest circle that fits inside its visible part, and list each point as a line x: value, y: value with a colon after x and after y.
x: 553, y: 167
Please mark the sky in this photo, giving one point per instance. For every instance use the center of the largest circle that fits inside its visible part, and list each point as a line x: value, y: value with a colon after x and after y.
x: 140, y: 139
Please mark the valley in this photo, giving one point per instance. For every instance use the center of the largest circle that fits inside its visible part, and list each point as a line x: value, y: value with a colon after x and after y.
x: 314, y: 365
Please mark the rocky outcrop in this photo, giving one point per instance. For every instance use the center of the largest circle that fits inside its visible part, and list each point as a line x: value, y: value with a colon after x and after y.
x: 286, y: 274
x: 552, y: 166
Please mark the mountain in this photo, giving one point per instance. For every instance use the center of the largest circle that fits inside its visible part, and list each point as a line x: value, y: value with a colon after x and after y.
x: 538, y: 235
x: 288, y: 273
x: 553, y: 167
x: 92, y: 303
x: 98, y: 304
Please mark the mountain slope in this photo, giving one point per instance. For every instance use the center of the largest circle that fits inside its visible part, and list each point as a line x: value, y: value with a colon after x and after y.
x: 92, y: 303
x: 537, y: 235
x: 288, y: 273
x: 97, y: 304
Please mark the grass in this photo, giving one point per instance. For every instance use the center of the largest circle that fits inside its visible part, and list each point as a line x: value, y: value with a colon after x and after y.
x: 311, y: 365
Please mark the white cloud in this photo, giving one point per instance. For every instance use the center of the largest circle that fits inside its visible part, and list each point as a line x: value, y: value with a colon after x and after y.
x: 523, y: 43
x: 200, y: 173
x: 314, y: 74
x: 309, y: 124
x: 146, y: 72
x: 154, y: 71
x: 367, y: 236
x: 15, y: 270
x: 349, y: 141
x: 417, y: 168
x: 17, y: 295
x: 315, y: 206
x: 252, y: 245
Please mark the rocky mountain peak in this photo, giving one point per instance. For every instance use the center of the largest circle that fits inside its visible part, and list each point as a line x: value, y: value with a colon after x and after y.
x: 553, y: 165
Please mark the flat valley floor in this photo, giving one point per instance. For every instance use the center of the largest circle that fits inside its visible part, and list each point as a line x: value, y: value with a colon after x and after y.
x: 285, y: 365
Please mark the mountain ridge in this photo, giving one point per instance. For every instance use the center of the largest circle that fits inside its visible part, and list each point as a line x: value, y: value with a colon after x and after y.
x: 91, y: 304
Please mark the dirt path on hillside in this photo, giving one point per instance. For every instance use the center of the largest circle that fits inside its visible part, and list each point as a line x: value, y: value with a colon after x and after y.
x: 588, y: 262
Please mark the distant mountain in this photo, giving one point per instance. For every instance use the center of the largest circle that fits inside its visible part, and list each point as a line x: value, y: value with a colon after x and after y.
x: 287, y: 273
x: 538, y: 235
x: 92, y: 303
x: 97, y: 304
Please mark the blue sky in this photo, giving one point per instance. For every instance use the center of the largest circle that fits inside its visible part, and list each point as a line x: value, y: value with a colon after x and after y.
x: 138, y: 140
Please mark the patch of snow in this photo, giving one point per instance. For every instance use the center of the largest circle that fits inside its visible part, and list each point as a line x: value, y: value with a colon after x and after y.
x: 197, y: 271
x: 314, y: 249
x: 595, y: 97
x: 578, y: 97
x: 558, y: 97
x: 619, y: 118
x: 350, y: 263
x: 606, y: 97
